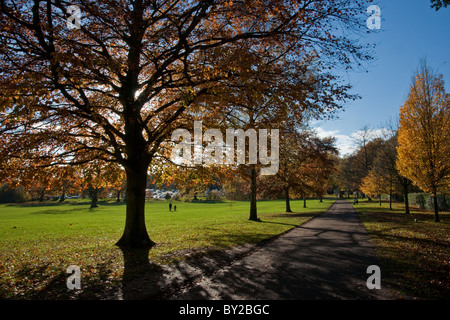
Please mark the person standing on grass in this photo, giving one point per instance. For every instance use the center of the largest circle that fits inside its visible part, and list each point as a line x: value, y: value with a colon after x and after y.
x: 170, y: 206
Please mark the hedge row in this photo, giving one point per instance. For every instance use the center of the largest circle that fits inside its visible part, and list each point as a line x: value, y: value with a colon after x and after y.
x: 425, y: 201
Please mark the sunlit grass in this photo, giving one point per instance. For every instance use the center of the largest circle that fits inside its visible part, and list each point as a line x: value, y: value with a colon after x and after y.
x: 39, y: 241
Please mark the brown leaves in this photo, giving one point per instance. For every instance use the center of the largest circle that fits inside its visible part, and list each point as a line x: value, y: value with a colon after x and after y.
x: 414, y: 255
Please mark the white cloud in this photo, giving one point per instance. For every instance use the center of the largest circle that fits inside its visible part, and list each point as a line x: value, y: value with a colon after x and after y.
x: 347, y: 144
x: 371, y: 134
x: 344, y: 143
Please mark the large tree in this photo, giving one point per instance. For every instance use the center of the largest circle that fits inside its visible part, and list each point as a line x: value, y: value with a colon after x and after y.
x: 385, y: 165
x: 115, y: 88
x: 306, y: 164
x: 375, y: 184
x: 424, y: 134
x: 280, y: 95
x: 353, y: 168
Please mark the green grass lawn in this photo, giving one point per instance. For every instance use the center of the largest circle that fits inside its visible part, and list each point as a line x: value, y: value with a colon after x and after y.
x: 39, y: 241
x: 414, y: 250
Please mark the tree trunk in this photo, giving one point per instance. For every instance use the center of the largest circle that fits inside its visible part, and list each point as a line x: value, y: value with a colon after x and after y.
x: 406, y: 199
x: 390, y: 201
x: 436, y: 209
x: 390, y: 194
x: 253, y: 212
x: 118, y: 195
x: 135, y: 234
x: 41, y: 195
x: 304, y: 201
x: 286, y: 194
x: 94, y: 196
x: 63, y: 196
x: 380, y: 199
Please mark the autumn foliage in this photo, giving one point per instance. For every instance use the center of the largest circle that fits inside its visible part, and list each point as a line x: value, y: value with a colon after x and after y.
x: 424, y: 135
x: 116, y: 88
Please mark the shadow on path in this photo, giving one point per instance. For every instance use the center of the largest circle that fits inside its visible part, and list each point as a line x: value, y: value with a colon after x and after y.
x: 325, y: 258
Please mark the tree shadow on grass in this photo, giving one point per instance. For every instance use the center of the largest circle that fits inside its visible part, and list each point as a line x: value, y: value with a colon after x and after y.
x: 281, y: 223
x: 79, y: 202
x: 414, y: 279
x: 50, y: 203
x: 111, y: 203
x: 36, y: 204
x: 295, y: 214
x: 201, y: 201
x: 143, y: 279
x: 283, y: 273
x: 327, y: 275
x: 49, y: 282
x: 140, y: 278
x: 55, y: 211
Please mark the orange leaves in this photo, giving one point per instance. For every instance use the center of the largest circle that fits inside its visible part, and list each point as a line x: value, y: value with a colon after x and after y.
x: 306, y: 164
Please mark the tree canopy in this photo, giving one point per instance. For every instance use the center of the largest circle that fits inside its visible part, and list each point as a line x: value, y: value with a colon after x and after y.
x: 424, y: 134
x: 438, y: 4
x: 114, y: 89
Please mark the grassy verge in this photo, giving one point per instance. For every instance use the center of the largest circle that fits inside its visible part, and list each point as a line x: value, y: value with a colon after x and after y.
x: 39, y: 241
x: 413, y: 249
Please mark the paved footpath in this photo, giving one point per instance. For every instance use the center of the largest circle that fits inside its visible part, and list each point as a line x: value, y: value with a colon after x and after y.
x: 325, y: 258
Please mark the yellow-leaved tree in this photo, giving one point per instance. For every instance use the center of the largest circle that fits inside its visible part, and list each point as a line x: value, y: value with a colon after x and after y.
x: 375, y: 184
x: 424, y: 135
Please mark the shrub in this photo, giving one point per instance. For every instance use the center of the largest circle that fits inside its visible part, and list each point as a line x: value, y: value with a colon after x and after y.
x: 425, y: 201
x: 12, y: 195
x: 213, y: 195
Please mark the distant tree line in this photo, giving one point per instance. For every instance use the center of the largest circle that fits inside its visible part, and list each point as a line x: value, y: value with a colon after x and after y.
x: 409, y: 155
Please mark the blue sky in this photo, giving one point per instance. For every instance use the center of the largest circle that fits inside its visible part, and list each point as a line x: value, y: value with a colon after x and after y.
x: 410, y: 30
